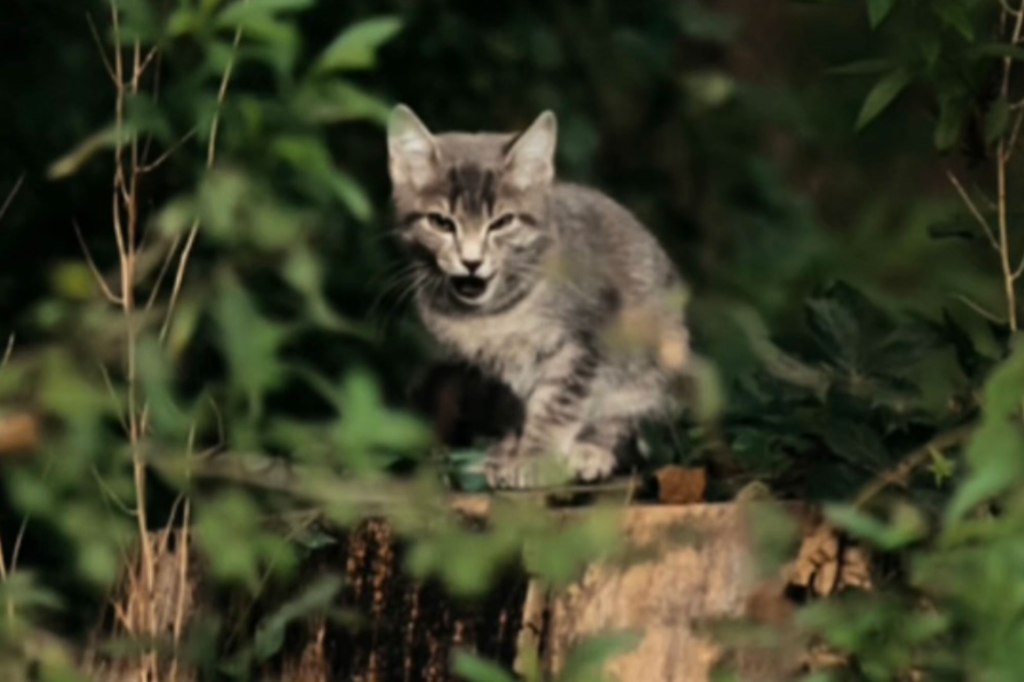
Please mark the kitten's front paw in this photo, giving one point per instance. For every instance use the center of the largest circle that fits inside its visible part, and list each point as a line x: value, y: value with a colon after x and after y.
x: 510, y: 468
x: 590, y: 462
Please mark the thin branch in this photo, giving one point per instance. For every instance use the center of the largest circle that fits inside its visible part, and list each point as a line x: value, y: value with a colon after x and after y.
x: 1019, y: 270
x: 902, y: 471
x: 113, y: 395
x: 107, y: 292
x: 211, y: 155
x: 3, y: 560
x: 1004, y: 238
x: 973, y: 208
x: 109, y: 492
x: 153, y: 165
x: 8, y: 350
x: 164, y: 269
x: 99, y: 48
x: 1015, y: 133
x: 183, y: 563
x: 10, y: 195
x: 978, y: 308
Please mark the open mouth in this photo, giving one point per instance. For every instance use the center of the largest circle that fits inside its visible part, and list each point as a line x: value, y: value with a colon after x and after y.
x: 469, y: 288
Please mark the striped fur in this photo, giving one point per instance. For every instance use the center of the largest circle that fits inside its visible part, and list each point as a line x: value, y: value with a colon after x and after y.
x: 553, y: 288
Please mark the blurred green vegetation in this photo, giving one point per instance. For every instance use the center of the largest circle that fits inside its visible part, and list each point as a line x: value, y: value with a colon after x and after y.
x: 818, y: 170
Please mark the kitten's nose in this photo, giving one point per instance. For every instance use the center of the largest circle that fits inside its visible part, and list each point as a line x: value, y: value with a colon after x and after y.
x: 472, y: 265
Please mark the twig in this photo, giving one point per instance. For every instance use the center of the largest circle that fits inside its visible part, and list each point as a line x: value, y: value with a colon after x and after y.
x: 8, y: 350
x: 10, y: 195
x: 211, y: 156
x: 1004, y: 239
x: 3, y: 557
x: 973, y: 208
x: 902, y: 471
x: 976, y: 307
x: 99, y: 48
x: 164, y: 269
x: 104, y: 287
x: 109, y: 492
x: 153, y: 165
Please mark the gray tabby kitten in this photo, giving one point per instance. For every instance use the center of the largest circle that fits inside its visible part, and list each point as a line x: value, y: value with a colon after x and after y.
x: 553, y: 288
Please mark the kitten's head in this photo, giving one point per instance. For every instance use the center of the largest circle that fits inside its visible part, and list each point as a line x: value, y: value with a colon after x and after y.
x: 471, y: 208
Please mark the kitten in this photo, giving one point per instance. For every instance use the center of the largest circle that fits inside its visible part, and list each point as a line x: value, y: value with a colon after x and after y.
x: 553, y: 288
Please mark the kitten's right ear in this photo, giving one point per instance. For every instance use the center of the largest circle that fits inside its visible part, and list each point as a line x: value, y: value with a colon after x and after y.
x: 412, y: 152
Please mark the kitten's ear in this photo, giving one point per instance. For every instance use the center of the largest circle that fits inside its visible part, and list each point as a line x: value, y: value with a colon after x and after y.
x: 531, y: 160
x: 412, y: 153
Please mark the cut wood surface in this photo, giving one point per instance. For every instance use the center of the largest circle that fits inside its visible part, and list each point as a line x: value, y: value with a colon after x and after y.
x: 687, y: 566
x: 701, y: 570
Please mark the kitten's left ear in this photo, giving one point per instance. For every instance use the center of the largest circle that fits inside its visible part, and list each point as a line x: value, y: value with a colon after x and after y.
x: 531, y: 160
x: 412, y: 152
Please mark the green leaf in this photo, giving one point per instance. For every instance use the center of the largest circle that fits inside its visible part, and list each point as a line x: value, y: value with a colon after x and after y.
x: 281, y: 39
x: 860, y: 67
x: 586, y: 660
x: 855, y: 442
x: 882, y: 95
x: 309, y: 155
x: 249, y: 341
x: 955, y: 14
x: 907, y: 525
x: 356, y: 47
x: 941, y: 467
x: 101, y: 140
x: 951, y: 121
x: 878, y: 10
x: 336, y: 101
x: 999, y: 50
x: 155, y: 374
x: 139, y: 22
x: 242, y: 12
x: 475, y: 669
x: 996, y: 121
x: 317, y: 597
x: 996, y: 451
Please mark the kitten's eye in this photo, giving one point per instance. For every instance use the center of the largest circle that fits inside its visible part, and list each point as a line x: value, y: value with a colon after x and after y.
x: 503, y: 222
x: 441, y: 222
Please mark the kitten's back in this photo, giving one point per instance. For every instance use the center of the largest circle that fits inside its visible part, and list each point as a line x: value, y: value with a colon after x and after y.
x: 606, y: 244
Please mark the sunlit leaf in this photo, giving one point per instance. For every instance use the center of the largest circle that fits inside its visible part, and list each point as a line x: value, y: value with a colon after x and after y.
x: 74, y: 281
x: 336, y: 101
x: 996, y: 451
x: 101, y: 140
x: 250, y: 341
x: 315, y: 598
x: 240, y: 12
x: 472, y: 668
x: 356, y: 47
x: 310, y: 156
x: 155, y: 373
x: 907, y: 525
x: 587, y: 659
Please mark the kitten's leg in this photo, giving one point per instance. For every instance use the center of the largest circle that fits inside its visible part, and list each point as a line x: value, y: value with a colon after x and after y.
x: 593, y: 456
x: 554, y: 418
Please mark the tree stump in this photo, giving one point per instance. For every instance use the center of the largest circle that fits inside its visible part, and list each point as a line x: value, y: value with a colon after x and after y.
x: 686, y: 567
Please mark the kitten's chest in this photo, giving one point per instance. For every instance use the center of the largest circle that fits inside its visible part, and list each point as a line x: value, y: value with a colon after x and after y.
x: 510, y: 346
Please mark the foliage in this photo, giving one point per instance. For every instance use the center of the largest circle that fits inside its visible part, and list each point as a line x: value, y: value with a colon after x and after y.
x: 218, y: 345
